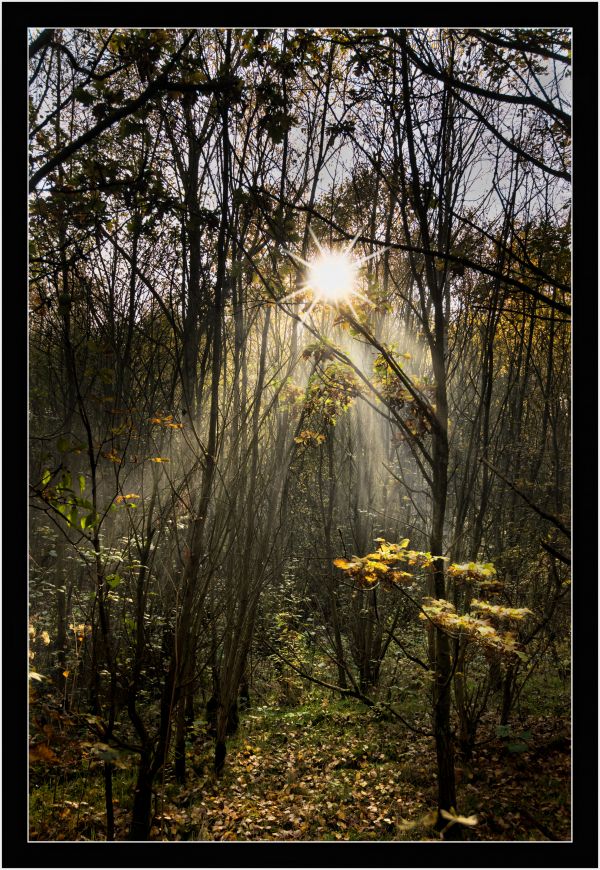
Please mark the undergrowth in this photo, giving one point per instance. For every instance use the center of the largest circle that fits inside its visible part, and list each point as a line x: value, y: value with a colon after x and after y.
x: 326, y: 770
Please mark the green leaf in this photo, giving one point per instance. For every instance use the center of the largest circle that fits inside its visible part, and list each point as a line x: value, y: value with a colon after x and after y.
x: 62, y: 445
x: 113, y: 580
x: 91, y: 520
x: 502, y: 730
x: 517, y: 747
x: 46, y: 478
x: 81, y: 480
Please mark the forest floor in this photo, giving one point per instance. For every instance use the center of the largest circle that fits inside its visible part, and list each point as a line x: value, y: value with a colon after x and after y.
x: 331, y: 770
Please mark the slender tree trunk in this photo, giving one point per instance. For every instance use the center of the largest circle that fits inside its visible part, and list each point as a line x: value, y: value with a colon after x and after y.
x: 142, y: 801
x: 180, y: 766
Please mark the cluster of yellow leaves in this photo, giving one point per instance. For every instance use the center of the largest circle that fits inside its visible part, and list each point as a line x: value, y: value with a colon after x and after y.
x: 398, y: 397
x: 112, y: 456
x: 167, y: 422
x: 443, y: 614
x: 43, y: 636
x: 383, y: 564
x: 158, y: 459
x: 80, y: 630
x: 400, y: 553
x: 369, y: 569
x: 499, y: 611
x: 319, y: 350
x: 308, y: 437
x: 124, y: 498
x: 330, y: 392
x: 291, y: 394
x: 481, y: 571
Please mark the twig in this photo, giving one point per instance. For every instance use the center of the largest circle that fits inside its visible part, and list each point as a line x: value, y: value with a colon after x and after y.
x: 550, y: 517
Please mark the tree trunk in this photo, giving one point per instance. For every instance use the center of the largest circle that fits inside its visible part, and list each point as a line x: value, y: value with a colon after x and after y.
x: 180, y: 771
x: 141, y: 820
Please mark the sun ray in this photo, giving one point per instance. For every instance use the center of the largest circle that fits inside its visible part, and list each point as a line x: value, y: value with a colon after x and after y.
x: 352, y: 242
x: 293, y: 294
x: 364, y: 298
x: 371, y: 256
x: 316, y: 241
x: 306, y: 314
x: 352, y: 309
x: 298, y: 259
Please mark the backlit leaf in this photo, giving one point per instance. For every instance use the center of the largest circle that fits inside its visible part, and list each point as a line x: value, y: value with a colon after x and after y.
x: 468, y: 821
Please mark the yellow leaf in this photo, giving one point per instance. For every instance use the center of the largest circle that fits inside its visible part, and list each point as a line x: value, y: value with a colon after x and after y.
x: 404, y: 543
x: 65, y: 673
x: 375, y: 566
x: 469, y: 821
x: 122, y: 498
x: 158, y: 459
x: 396, y: 576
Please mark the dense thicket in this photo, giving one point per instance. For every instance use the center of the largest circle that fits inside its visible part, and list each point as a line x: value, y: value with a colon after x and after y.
x: 216, y: 448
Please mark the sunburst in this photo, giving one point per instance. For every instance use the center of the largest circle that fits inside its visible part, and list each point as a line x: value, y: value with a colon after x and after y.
x: 331, y: 277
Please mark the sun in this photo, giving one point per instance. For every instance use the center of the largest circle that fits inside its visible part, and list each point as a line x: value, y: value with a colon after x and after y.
x: 332, y: 276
